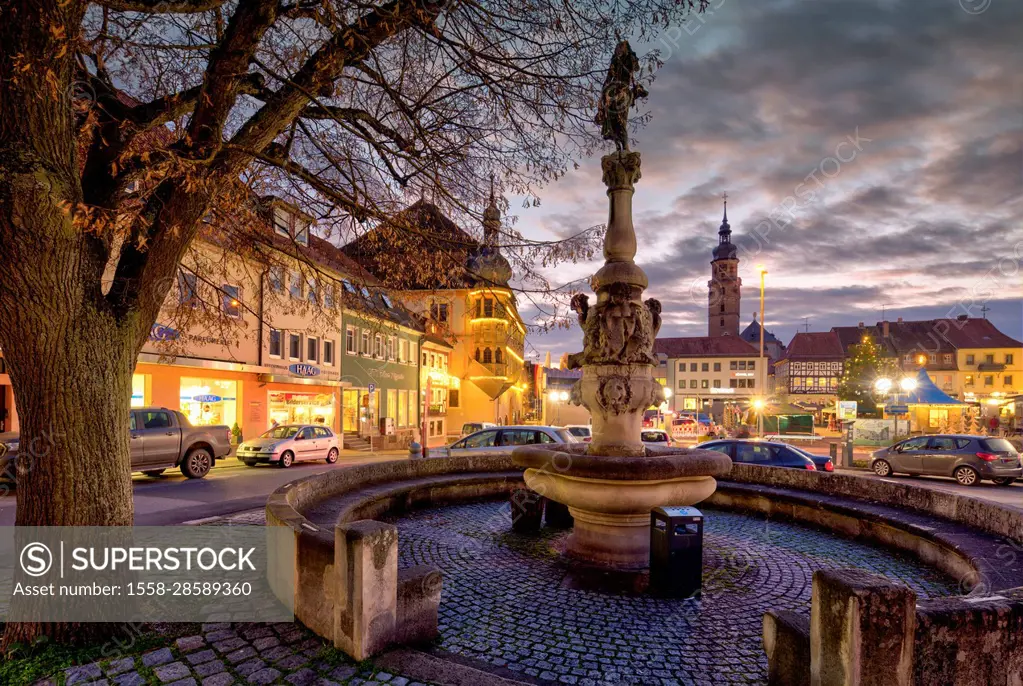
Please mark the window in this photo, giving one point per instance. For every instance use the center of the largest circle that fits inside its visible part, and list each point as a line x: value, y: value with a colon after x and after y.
x: 1008, y: 358
x: 328, y: 353
x: 187, y: 293
x: 722, y: 321
x: 478, y: 358
x: 390, y: 348
x: 328, y: 296
x: 498, y: 356
x: 935, y: 418
x: 703, y: 383
x: 751, y: 365
x: 414, y: 354
x: 989, y: 380
x: 295, y: 285
x: 989, y: 359
x: 722, y: 310
x: 733, y: 383
x: 692, y: 366
x: 488, y: 307
x: 424, y: 359
x: 968, y: 380
x: 453, y: 397
x: 932, y: 358
x: 1007, y: 381
x: 750, y: 383
x: 294, y: 346
x: 733, y: 365
x: 681, y: 383
x: 946, y: 358
x: 310, y: 290
x: 717, y: 383
x: 277, y: 279
x: 387, y: 301
x: 753, y: 453
x: 378, y: 348
x: 942, y: 443
x: 705, y: 367
x: 312, y: 349
x: 742, y: 364
x: 692, y: 383
x: 152, y: 419
x: 916, y: 443
x: 301, y: 232
x: 364, y: 342
x: 413, y: 408
x: 403, y: 351
x: 229, y: 302
x: 488, y: 356
x: 392, y: 404
x: 484, y: 439
x: 350, y: 340
x: 275, y: 343
x: 717, y: 366
x: 969, y: 359
x: 439, y: 312
x: 402, y: 408
x: 348, y: 285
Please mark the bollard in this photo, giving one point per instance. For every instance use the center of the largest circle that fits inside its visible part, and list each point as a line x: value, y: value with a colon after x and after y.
x: 833, y: 448
x: 526, y: 511
x: 415, y: 451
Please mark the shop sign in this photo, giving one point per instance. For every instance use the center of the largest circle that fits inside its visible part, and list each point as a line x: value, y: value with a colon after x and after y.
x: 846, y: 409
x: 207, y: 398
x: 301, y: 369
x: 159, y: 332
x: 722, y: 391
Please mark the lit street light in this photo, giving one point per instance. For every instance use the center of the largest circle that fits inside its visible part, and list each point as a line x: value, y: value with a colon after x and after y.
x: 758, y: 405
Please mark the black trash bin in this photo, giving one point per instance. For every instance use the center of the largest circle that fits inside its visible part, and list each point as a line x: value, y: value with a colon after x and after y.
x: 676, y: 551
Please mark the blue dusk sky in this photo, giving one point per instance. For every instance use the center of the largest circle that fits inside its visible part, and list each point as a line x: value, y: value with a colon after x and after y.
x: 872, y: 151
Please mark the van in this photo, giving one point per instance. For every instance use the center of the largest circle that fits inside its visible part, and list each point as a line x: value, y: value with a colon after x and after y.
x: 473, y: 427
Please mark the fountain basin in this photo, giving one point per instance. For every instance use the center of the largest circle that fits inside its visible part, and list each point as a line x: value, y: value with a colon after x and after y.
x: 611, y: 497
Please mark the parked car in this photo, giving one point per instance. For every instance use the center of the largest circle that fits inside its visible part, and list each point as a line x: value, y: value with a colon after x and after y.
x: 289, y: 443
x: 765, y: 453
x: 582, y: 432
x: 822, y: 462
x: 160, y: 439
x: 504, y: 439
x: 655, y: 437
x: 473, y: 427
x: 967, y: 459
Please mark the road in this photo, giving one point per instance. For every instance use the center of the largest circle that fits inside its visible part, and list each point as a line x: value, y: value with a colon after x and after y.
x: 1006, y: 495
x: 231, y: 487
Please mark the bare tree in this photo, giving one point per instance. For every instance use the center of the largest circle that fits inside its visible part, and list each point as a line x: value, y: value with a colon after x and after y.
x: 123, y: 123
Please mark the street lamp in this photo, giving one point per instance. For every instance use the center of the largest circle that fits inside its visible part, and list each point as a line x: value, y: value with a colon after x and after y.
x: 763, y: 272
x: 908, y: 384
x: 556, y: 398
x: 758, y: 405
x: 885, y: 386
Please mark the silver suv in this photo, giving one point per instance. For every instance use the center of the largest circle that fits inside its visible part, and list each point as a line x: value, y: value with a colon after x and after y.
x: 968, y: 459
x: 504, y: 439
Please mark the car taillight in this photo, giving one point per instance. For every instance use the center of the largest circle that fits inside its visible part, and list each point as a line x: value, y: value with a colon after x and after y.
x: 987, y: 457
x: 828, y: 467
x: 811, y: 467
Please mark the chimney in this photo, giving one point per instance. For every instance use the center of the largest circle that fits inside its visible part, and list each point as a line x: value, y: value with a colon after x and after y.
x: 900, y: 320
x: 885, y: 330
x: 860, y: 325
x: 963, y: 317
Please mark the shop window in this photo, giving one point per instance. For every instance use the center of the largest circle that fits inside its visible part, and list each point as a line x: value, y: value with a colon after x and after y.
x: 229, y: 300
x: 275, y: 342
x: 453, y: 398
x: 402, y: 408
x: 188, y: 295
x: 392, y: 404
x: 413, y: 409
x: 312, y: 349
x: 350, y: 340
x: 328, y: 353
x: 209, y: 401
x: 294, y: 346
x: 139, y: 397
x: 498, y: 356
x: 295, y: 285
x: 936, y: 418
x: 488, y: 356
x: 286, y: 407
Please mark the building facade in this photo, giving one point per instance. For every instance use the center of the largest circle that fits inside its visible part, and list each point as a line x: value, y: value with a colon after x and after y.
x: 811, y: 368
x: 439, y: 387
x: 708, y: 373
x: 725, y: 285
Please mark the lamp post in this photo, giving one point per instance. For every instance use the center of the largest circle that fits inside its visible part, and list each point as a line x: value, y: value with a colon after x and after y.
x: 664, y: 412
x: 886, y: 386
x: 763, y: 272
x: 558, y: 397
x: 758, y: 405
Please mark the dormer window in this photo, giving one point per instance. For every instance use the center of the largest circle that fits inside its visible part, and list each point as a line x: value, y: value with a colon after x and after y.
x: 289, y: 225
x: 348, y: 286
x: 387, y: 301
x: 365, y: 292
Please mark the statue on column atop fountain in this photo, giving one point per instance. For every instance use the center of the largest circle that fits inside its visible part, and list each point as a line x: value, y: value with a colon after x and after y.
x: 618, y: 95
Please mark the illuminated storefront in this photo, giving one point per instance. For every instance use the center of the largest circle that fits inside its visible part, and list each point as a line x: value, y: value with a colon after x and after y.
x: 140, y: 390
x: 209, y: 401
x: 291, y: 407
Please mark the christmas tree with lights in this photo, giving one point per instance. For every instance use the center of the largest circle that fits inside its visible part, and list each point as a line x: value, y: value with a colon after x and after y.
x: 866, y: 363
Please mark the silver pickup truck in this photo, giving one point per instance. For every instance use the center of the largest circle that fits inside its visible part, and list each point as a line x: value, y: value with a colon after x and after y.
x: 160, y: 439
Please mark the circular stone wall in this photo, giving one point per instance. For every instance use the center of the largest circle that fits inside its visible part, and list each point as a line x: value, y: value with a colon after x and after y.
x: 507, y: 600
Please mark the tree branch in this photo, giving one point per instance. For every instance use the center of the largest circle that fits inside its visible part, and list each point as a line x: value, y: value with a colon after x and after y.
x: 161, y: 6
x: 352, y: 114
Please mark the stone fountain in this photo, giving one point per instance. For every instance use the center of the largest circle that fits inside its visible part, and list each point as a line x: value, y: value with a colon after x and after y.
x: 611, y: 484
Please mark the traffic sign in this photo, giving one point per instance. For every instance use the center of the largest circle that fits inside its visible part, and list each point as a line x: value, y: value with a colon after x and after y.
x: 896, y: 409
x: 372, y: 387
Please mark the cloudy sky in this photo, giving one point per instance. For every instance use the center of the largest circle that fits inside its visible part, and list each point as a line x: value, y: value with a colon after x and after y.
x: 872, y: 151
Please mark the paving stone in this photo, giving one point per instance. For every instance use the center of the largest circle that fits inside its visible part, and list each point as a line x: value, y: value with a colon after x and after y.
x: 158, y: 657
x: 172, y: 672
x: 303, y: 677
x: 209, y: 668
x: 254, y: 632
x: 190, y: 643
x: 129, y: 679
x: 120, y: 666
x: 383, y: 677
x: 222, y: 679
x: 343, y: 672
x: 216, y: 626
x: 230, y: 644
x: 82, y: 674
x: 247, y: 668
x: 184, y: 682
x: 264, y: 676
x: 292, y: 662
x: 241, y: 654
x: 264, y: 643
x: 220, y: 635
x: 201, y: 656
x: 399, y: 681
x: 275, y: 654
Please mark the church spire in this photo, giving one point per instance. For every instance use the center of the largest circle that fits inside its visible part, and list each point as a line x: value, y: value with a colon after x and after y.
x: 491, y: 219
x: 724, y: 249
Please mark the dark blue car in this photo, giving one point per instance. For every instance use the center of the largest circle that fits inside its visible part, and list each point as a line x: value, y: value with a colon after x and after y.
x: 769, y: 454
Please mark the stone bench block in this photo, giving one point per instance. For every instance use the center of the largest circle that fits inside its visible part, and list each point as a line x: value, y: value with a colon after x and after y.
x: 366, y: 568
x: 787, y: 644
x: 526, y: 511
x: 557, y: 516
x: 419, y: 590
x: 861, y: 630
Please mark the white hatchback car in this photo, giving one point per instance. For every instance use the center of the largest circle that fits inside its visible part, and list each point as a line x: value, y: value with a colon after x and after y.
x: 289, y: 443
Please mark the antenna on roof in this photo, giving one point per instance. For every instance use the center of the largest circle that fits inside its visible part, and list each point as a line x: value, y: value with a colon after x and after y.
x: 883, y: 306
x: 806, y: 324
x: 984, y: 309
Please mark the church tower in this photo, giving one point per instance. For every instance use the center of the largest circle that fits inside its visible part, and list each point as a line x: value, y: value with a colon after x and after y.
x: 724, y: 284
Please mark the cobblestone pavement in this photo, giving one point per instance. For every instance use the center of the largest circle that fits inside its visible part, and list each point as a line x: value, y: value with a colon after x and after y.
x: 505, y: 600
x: 224, y: 654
